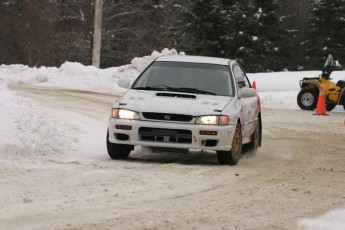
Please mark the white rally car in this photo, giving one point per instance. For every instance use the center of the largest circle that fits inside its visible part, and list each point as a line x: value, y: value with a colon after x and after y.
x: 187, y: 102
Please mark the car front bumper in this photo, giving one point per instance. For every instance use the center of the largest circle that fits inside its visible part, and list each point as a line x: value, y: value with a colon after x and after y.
x: 170, y: 135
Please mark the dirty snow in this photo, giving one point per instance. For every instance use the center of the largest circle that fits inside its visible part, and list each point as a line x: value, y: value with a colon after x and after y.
x: 25, y: 127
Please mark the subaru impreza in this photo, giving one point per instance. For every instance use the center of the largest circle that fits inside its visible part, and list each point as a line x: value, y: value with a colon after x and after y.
x: 187, y: 102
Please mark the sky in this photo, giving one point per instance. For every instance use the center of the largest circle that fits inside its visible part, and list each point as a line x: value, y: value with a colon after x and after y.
x: 24, y: 125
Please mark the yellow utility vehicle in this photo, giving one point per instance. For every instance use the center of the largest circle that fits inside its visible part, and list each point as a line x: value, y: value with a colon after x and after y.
x: 310, y: 88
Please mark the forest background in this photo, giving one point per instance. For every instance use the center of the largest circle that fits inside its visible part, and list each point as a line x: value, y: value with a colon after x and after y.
x: 262, y: 35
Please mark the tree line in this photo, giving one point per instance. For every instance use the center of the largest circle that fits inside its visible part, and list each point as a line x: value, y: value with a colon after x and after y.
x: 262, y: 35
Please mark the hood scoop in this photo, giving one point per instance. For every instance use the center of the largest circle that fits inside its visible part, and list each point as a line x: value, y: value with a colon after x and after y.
x: 176, y: 95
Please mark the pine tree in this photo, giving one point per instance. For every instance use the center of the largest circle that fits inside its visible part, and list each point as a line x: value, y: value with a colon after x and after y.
x: 294, y: 15
x: 169, y: 24
x: 205, y: 26
x: 256, y: 35
x: 270, y: 34
x: 325, y: 32
x: 243, y: 44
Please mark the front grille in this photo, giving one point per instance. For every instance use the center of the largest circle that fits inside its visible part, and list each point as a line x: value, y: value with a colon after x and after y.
x: 165, y: 135
x: 168, y: 117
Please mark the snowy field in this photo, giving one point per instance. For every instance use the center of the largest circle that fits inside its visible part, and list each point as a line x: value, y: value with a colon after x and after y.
x: 24, y: 126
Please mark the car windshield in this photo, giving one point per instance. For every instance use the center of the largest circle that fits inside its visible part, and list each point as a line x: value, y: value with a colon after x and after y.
x: 198, y: 78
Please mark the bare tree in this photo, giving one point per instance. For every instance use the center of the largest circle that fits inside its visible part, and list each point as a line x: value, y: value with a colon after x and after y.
x: 30, y: 25
x: 127, y: 31
x: 136, y: 28
x: 41, y: 32
x: 169, y: 24
x: 73, y: 30
x: 8, y: 45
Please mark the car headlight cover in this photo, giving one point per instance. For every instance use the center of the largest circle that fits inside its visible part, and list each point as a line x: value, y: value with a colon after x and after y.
x: 213, y: 120
x: 125, y: 114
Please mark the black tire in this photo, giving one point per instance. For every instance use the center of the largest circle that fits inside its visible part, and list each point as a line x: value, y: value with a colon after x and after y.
x: 307, y: 99
x: 330, y: 106
x: 255, y: 143
x: 342, y: 100
x: 232, y: 156
x: 118, y: 151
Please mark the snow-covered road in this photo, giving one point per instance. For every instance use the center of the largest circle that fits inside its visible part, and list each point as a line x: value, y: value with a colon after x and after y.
x: 55, y: 172
x: 299, y: 172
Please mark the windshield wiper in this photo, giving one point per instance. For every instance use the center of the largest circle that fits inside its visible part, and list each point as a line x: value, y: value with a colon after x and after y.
x: 197, y: 91
x: 159, y: 88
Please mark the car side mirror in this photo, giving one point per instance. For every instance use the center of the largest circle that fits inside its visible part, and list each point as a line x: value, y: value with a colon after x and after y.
x: 246, y: 92
x: 124, y: 83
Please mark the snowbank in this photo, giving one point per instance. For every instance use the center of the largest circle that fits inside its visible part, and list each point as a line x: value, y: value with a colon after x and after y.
x: 333, y: 220
x: 22, y: 122
x: 140, y: 63
x: 27, y: 133
x: 286, y: 81
x: 72, y: 75
x: 276, y: 89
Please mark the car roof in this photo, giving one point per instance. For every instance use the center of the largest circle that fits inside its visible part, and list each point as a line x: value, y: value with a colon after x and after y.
x: 194, y: 59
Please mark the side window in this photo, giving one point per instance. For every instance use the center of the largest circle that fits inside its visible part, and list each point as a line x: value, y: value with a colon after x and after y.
x: 241, y: 78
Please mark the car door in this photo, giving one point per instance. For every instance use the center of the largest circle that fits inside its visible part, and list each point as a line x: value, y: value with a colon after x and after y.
x: 248, y: 105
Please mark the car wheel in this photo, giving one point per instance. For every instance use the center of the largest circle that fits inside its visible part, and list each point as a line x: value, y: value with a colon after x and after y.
x: 307, y: 99
x: 233, y: 156
x: 118, y: 151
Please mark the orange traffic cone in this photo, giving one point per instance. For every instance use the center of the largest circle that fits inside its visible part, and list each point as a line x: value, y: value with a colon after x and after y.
x: 321, y: 104
x: 254, y: 85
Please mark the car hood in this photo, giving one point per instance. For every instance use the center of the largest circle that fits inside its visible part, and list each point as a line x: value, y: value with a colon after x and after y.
x: 173, y: 102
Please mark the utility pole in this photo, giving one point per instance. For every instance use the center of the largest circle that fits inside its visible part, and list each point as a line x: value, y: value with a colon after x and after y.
x: 96, y: 53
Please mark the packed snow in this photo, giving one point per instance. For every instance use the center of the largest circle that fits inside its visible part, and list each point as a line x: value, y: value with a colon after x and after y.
x: 24, y: 126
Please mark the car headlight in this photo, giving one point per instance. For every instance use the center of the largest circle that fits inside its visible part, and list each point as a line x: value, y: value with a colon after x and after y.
x: 213, y: 120
x: 124, y: 114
